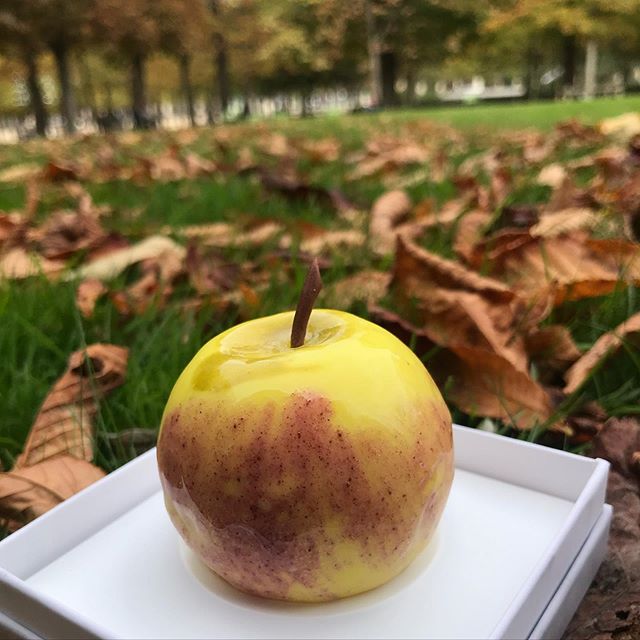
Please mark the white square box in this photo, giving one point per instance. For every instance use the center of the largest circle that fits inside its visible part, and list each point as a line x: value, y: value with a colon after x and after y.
x: 520, y: 539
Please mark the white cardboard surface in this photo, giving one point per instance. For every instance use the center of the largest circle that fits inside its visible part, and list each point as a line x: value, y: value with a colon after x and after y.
x: 507, y: 546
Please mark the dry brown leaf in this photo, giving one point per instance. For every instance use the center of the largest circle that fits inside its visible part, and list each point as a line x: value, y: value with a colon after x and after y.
x: 210, y: 273
x: 58, y: 171
x: 470, y: 232
x: 369, y: 286
x: 477, y: 381
x: 196, y: 166
x: 605, y: 346
x: 18, y: 263
x: 574, y: 266
x: 21, y: 172
x: 63, y: 424
x: 111, y: 265
x: 12, y: 228
x: 552, y: 346
x: 64, y: 233
x: 564, y: 221
x: 623, y: 127
x: 154, y: 286
x: 387, y: 212
x: 325, y: 150
x: 455, y: 306
x: 553, y: 175
x: 88, y: 293
x: 483, y: 383
x: 333, y: 241
x: 28, y: 492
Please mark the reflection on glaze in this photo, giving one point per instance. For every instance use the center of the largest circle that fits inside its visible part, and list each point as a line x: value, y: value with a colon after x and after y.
x: 295, y: 485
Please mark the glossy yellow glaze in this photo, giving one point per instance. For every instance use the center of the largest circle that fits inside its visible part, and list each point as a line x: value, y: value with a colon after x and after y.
x: 309, y: 473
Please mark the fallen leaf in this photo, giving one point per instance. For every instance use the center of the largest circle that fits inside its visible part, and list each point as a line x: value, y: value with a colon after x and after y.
x: 109, y: 266
x: 333, y: 241
x: 604, y: 347
x: 196, y: 166
x: 387, y: 212
x: 57, y: 171
x: 573, y: 265
x: 63, y: 425
x: 368, y: 286
x: 456, y: 306
x: 564, y: 221
x: 295, y: 188
x: 18, y: 263
x: 623, y: 127
x: 479, y: 382
x: 553, y: 175
x: 28, y: 492
x: 88, y: 293
x: 21, y: 172
x: 470, y: 232
x: 484, y: 383
x: 64, y: 233
x: 13, y: 227
x: 552, y: 347
x: 210, y: 273
x: 325, y: 150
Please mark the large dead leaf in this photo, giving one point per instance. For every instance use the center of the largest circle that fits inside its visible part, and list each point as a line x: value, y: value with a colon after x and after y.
x: 456, y: 306
x: 470, y: 232
x: 387, y: 212
x: 477, y: 381
x: 573, y: 266
x: 552, y: 347
x: 483, y: 383
x: 333, y: 241
x: 109, y: 266
x: 605, y: 346
x: 63, y: 425
x: 28, y: 492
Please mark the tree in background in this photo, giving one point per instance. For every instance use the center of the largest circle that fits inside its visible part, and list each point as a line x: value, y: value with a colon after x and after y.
x: 564, y: 25
x: 17, y: 37
x: 63, y: 24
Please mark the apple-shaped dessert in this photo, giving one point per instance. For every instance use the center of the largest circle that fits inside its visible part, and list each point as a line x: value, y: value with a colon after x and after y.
x: 307, y: 465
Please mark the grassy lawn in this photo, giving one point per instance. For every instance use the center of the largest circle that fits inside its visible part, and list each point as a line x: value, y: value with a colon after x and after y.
x: 41, y: 325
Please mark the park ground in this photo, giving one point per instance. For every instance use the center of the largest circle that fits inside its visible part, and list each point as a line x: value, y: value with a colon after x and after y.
x: 499, y: 242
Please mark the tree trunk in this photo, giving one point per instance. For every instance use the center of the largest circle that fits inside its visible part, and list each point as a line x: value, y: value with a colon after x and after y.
x: 187, y: 89
x: 389, y: 69
x: 67, y: 103
x: 221, y: 62
x: 373, y: 51
x: 532, y: 75
x: 88, y: 88
x: 569, y: 55
x: 410, y: 96
x: 35, y: 94
x: 591, y: 69
x: 138, y: 92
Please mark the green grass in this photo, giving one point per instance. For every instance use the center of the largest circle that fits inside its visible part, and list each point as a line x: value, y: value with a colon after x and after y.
x: 40, y: 325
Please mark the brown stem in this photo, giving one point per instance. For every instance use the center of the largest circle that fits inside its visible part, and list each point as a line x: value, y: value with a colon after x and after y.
x: 310, y: 290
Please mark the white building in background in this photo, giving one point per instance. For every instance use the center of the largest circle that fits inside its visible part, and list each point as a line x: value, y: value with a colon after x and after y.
x: 479, y: 88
